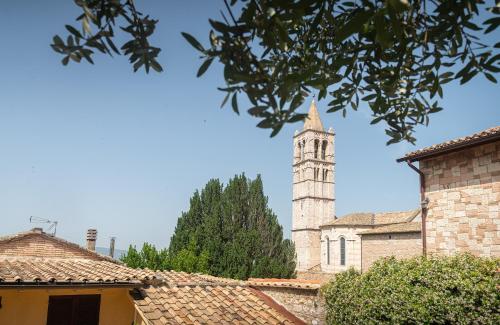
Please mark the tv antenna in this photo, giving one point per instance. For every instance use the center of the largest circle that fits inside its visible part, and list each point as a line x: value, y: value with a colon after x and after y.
x: 52, y: 228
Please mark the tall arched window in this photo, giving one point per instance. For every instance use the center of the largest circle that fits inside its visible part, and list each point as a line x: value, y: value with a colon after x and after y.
x: 302, y: 154
x: 323, y: 150
x: 299, y: 148
x: 316, y: 148
x: 327, y: 250
x: 342, y: 251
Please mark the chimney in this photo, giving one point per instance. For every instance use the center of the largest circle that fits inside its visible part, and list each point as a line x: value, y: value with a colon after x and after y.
x: 112, y: 247
x: 91, y: 238
x: 37, y: 230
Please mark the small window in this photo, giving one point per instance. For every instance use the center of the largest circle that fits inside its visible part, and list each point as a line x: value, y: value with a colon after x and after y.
x: 323, y: 150
x: 325, y: 175
x: 316, y: 148
x: 302, y: 152
x: 342, y: 251
x: 327, y: 250
x: 74, y: 310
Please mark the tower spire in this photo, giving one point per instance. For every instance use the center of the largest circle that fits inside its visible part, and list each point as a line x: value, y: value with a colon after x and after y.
x: 313, y: 121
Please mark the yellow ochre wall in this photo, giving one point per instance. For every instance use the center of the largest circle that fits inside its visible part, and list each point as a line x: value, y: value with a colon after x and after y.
x: 30, y: 306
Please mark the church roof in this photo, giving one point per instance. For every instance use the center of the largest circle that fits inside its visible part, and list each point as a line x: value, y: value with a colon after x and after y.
x: 313, y: 121
x: 374, y: 219
x: 406, y: 227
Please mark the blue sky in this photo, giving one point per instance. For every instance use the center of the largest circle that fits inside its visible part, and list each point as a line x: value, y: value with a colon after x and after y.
x: 100, y: 146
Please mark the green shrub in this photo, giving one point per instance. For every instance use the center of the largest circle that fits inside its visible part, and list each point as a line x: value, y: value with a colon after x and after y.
x: 462, y: 289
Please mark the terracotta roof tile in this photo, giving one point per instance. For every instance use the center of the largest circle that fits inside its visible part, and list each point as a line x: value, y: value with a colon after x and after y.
x: 395, y: 228
x: 64, y: 270
x: 491, y: 134
x: 220, y: 304
x: 38, y: 244
x: 374, y: 219
x: 289, y: 283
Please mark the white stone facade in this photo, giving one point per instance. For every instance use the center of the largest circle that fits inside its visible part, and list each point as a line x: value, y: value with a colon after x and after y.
x: 352, y: 252
x: 313, y: 201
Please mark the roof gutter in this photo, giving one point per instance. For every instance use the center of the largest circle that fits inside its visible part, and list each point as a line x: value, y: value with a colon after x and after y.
x: 424, y: 203
x: 69, y: 286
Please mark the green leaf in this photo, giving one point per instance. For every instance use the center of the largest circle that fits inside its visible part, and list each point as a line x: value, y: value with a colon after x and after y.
x: 194, y: 43
x: 493, y: 22
x: 58, y: 41
x: 354, y: 25
x: 224, y: 101
x: 156, y: 66
x: 399, y: 5
x: 265, y: 124
x: 74, y: 31
x: 490, y: 77
x: 204, y: 67
x: 234, y: 103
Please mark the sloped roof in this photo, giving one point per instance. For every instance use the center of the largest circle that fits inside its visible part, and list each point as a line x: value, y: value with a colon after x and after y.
x: 285, y: 283
x: 35, y: 243
x: 54, y: 271
x: 374, y: 219
x: 406, y: 227
x: 313, y: 121
x: 66, y: 271
x: 488, y: 135
x: 209, y: 304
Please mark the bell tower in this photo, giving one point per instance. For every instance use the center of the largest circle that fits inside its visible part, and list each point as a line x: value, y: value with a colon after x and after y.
x: 313, y: 199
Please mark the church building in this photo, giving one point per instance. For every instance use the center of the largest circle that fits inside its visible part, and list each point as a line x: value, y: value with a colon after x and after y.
x: 326, y: 244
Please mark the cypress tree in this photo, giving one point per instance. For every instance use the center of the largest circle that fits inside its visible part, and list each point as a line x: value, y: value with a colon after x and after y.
x: 230, y: 231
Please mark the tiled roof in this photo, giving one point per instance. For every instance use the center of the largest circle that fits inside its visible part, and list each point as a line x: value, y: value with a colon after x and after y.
x: 208, y: 304
x: 35, y: 243
x: 67, y: 271
x: 491, y: 134
x: 394, y: 228
x: 288, y: 283
x: 53, y: 271
x: 374, y: 219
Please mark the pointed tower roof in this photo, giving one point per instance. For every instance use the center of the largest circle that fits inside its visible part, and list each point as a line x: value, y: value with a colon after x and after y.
x: 313, y: 122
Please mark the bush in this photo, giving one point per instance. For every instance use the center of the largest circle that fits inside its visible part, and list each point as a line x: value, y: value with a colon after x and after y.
x: 462, y: 289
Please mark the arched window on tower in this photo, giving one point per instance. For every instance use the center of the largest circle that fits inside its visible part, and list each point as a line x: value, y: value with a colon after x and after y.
x: 316, y: 148
x: 327, y: 250
x: 323, y: 149
x: 303, y: 149
x: 342, y: 251
x: 299, y: 150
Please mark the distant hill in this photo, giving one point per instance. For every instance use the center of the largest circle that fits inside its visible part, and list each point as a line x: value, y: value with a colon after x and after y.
x: 105, y: 251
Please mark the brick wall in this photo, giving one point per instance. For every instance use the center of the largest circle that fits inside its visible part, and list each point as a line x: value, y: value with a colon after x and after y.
x: 375, y: 246
x: 306, y: 304
x: 463, y: 189
x: 39, y: 245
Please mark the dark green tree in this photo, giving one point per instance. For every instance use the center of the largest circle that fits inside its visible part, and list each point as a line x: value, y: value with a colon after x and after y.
x: 230, y: 231
x: 394, y: 55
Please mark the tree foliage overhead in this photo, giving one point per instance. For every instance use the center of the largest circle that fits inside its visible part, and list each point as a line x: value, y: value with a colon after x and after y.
x: 395, y: 55
x: 234, y: 231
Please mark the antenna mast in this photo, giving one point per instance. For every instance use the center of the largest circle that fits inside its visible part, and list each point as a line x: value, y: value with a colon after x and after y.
x: 52, y: 228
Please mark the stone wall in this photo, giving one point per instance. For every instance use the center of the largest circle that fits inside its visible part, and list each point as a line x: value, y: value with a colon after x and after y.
x: 352, y: 249
x: 306, y: 304
x: 463, y: 189
x: 375, y: 246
